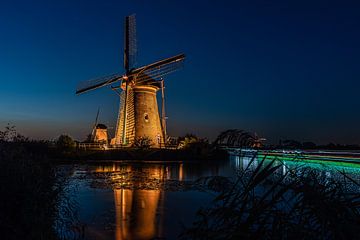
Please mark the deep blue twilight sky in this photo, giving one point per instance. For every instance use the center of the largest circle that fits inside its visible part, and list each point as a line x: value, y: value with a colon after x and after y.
x: 288, y: 69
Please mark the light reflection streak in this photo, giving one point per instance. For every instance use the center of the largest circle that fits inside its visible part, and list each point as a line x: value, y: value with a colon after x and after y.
x: 135, y: 213
x: 139, y: 194
x: 181, y: 172
x: 136, y: 209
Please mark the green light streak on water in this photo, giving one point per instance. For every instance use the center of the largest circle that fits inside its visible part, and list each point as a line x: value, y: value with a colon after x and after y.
x: 314, y: 163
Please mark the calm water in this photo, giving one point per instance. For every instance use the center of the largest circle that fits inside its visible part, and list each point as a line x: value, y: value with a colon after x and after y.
x: 133, y: 200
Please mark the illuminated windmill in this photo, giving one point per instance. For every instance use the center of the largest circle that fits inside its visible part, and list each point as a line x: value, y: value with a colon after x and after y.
x: 139, y: 113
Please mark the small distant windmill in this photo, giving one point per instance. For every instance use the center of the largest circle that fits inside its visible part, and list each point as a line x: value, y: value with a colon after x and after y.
x: 99, y: 132
x: 138, y: 114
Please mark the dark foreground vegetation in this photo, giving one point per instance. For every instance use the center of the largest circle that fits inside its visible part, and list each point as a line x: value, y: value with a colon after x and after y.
x: 265, y: 204
x: 34, y: 202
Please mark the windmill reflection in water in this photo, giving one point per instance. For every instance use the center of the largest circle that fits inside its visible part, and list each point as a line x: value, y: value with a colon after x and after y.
x: 139, y: 198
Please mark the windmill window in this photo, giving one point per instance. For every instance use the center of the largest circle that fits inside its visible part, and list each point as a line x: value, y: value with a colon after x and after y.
x: 146, y: 117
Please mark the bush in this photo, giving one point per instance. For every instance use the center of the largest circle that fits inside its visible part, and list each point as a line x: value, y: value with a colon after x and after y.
x: 194, y: 145
x: 11, y: 135
x: 65, y: 143
x: 191, y: 141
x: 142, y: 142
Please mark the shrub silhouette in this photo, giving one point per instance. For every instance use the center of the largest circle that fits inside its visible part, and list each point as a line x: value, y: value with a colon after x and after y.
x: 142, y: 142
x: 65, y: 143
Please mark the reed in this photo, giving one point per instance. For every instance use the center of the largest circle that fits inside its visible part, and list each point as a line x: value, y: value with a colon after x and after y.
x: 264, y: 204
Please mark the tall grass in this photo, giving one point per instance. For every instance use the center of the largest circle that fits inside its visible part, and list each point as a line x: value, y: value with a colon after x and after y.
x: 263, y: 204
x: 33, y: 192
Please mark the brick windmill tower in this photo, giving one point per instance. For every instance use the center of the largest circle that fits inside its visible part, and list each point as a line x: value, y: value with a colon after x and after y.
x: 139, y: 112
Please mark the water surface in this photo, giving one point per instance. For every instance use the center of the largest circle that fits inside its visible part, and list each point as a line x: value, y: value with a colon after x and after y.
x: 137, y: 200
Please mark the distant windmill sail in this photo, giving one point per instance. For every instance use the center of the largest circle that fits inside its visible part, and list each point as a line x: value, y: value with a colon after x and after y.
x: 138, y: 115
x: 97, y: 117
x: 95, y: 124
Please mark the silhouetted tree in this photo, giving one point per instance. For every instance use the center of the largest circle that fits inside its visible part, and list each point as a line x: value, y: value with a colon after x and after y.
x: 65, y: 142
x: 291, y: 144
x: 235, y: 138
x: 308, y: 145
x: 330, y: 146
x: 188, y: 140
x: 11, y: 135
x: 195, y: 145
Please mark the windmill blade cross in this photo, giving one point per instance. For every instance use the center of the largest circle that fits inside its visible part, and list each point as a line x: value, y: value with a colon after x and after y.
x: 97, y: 83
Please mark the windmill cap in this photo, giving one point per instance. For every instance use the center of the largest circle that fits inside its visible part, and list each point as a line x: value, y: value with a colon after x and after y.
x: 101, y: 126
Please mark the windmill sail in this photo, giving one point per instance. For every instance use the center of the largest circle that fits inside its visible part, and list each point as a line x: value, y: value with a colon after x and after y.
x: 163, y: 114
x: 97, y: 83
x: 130, y: 48
x: 158, y: 69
